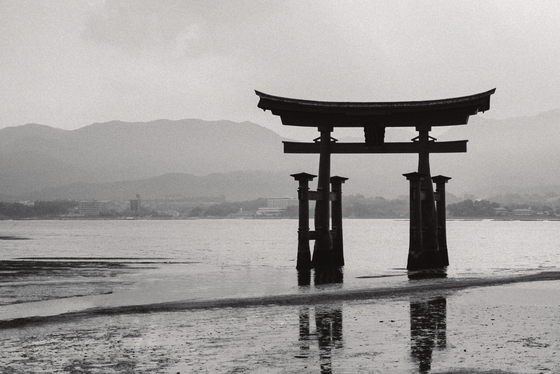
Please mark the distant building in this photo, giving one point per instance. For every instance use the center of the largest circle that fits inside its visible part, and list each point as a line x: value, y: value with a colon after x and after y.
x: 270, y: 212
x: 276, y: 206
x: 501, y: 211
x: 241, y: 214
x: 93, y: 208
x: 281, y: 202
x: 523, y: 212
x: 135, y: 204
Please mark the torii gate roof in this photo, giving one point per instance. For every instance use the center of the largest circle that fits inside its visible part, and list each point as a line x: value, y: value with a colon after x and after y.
x: 309, y: 113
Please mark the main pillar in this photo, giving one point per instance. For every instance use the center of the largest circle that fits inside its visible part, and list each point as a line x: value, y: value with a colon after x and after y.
x: 440, y: 182
x: 429, y: 218
x: 322, y: 252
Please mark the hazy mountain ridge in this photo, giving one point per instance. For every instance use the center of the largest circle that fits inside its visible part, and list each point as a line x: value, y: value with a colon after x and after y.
x: 237, y: 186
x: 140, y: 150
x: 245, y: 160
x: 119, y: 151
x: 510, y: 155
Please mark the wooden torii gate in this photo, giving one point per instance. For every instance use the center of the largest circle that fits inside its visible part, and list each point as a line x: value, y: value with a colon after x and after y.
x: 428, y: 248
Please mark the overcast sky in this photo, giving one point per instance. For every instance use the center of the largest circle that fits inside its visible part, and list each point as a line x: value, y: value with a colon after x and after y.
x: 68, y: 63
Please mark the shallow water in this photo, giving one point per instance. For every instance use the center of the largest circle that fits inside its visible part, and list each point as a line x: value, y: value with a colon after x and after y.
x: 101, y: 270
x: 371, y: 246
x: 165, y: 260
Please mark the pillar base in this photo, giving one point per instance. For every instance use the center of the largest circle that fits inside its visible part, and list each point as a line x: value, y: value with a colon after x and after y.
x: 304, y: 261
x: 328, y: 275
x: 427, y: 273
x: 304, y: 277
x: 444, y: 255
x: 303, y: 254
x: 424, y: 260
x: 323, y: 254
x: 323, y: 259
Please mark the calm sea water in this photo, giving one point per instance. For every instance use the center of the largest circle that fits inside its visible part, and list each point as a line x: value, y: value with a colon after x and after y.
x: 371, y: 246
x: 195, y: 259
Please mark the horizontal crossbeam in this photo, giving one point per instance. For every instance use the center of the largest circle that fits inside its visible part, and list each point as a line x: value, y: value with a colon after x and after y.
x: 458, y: 146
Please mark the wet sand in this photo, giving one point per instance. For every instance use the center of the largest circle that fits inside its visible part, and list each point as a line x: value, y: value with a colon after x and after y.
x: 481, y: 325
x: 27, y: 280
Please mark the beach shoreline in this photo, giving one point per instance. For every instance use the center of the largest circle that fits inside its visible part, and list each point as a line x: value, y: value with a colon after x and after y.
x: 507, y: 325
x: 225, y: 297
x: 413, y: 288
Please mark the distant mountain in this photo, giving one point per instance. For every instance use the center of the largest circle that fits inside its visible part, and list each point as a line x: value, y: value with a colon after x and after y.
x: 245, y: 161
x: 119, y: 150
x: 237, y: 186
x: 509, y: 155
x: 35, y: 157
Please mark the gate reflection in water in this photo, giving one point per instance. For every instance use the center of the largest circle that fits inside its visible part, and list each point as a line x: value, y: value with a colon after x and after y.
x: 428, y: 325
x: 328, y: 331
x: 328, y: 318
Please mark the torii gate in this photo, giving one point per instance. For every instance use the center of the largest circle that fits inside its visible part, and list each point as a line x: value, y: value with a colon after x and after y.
x: 428, y: 248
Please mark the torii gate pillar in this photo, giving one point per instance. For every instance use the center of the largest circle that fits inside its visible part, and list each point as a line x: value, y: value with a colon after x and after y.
x: 304, y: 254
x: 335, y: 253
x: 322, y: 251
x: 338, y: 251
x: 415, y: 247
x: 440, y: 182
x: 429, y: 217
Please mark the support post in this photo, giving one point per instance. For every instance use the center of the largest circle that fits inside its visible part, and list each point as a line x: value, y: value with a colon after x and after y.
x: 304, y: 254
x: 415, y: 249
x: 322, y: 252
x: 440, y: 182
x: 338, y: 251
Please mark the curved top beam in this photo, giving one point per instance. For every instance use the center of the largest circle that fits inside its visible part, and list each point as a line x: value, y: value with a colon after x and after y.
x: 443, y: 112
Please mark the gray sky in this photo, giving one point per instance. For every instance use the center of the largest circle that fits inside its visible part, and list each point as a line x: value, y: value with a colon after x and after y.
x: 68, y: 63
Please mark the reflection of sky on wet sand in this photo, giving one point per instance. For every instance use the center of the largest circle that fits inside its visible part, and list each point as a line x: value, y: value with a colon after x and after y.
x: 422, y: 331
x: 428, y: 348
x: 427, y: 325
x: 426, y: 333
x: 513, y: 328
x: 435, y: 334
x: 428, y: 322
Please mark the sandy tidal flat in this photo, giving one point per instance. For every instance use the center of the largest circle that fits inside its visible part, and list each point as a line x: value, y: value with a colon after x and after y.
x: 497, y: 329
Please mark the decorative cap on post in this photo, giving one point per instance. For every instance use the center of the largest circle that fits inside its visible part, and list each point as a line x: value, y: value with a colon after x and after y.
x: 303, y: 176
x: 415, y: 176
x: 338, y: 179
x: 440, y: 179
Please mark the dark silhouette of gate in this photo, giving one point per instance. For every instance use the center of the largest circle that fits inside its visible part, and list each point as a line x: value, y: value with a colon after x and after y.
x: 428, y: 245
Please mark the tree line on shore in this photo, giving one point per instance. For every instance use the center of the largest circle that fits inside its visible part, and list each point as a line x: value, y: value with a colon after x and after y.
x: 36, y: 209
x: 485, y: 208
x: 354, y: 206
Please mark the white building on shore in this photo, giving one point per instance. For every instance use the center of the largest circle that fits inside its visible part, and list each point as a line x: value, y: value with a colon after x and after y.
x: 93, y: 208
x: 275, y: 206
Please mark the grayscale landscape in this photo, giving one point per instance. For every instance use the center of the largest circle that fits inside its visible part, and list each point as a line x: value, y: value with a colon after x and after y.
x: 245, y: 161
x: 151, y: 220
